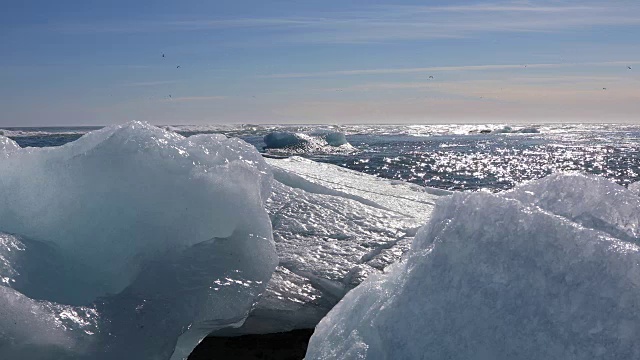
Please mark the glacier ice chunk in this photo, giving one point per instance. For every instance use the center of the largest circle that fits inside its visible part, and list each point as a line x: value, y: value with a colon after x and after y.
x: 492, y: 277
x: 131, y: 242
x: 319, y: 141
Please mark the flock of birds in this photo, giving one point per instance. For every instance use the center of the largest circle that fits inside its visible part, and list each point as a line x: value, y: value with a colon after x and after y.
x: 177, y: 67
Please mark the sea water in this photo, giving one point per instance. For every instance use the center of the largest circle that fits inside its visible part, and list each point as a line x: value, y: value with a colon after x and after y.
x: 451, y: 157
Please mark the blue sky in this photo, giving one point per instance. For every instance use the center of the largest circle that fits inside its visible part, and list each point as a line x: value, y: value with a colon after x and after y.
x: 100, y: 62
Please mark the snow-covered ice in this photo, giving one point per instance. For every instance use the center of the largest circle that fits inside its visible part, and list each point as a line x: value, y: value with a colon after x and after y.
x: 131, y: 242
x: 550, y: 270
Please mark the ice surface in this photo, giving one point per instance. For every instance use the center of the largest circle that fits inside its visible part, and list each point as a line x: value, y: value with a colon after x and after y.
x: 131, y: 242
x: 491, y: 277
x: 510, y: 130
x: 7, y: 146
x: 589, y: 200
x: 399, y: 197
x: 333, y: 138
x: 319, y: 141
x: 328, y: 240
x: 635, y: 187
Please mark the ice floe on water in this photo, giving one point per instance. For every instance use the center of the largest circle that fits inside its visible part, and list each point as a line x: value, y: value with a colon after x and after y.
x: 131, y: 242
x: 315, y: 142
x: 550, y: 270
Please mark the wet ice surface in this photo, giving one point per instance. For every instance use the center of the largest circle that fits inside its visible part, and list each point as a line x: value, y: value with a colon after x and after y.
x: 333, y: 228
x: 396, y: 196
x: 132, y: 242
x: 549, y: 270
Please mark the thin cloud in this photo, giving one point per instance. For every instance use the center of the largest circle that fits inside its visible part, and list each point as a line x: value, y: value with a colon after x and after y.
x: 148, y: 83
x: 435, y: 69
x: 197, y: 98
x: 402, y: 22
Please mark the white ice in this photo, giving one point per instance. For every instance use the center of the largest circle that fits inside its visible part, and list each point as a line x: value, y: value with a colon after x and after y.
x: 131, y: 242
x: 319, y: 141
x: 396, y: 196
x: 332, y: 228
x: 550, y: 270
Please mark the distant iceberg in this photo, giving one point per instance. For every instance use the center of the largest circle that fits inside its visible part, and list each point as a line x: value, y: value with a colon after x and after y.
x: 510, y: 130
x: 319, y: 141
x: 549, y: 270
x: 129, y: 243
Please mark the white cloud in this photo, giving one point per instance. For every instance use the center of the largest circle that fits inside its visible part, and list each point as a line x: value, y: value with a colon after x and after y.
x: 434, y: 69
x: 397, y: 22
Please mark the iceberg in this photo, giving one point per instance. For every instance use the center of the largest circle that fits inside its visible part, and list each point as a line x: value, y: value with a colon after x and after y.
x: 320, y: 141
x: 131, y: 242
x: 535, y: 273
x: 510, y: 130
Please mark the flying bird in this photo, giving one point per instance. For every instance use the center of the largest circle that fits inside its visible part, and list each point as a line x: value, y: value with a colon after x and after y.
x: 178, y: 67
x: 162, y: 55
x: 629, y: 67
x: 604, y: 88
x: 430, y: 76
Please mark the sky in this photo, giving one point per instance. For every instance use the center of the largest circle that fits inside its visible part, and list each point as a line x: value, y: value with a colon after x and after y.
x: 89, y: 62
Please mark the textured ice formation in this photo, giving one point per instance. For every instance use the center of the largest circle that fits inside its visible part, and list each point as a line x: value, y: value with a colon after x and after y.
x: 492, y: 277
x: 396, y: 196
x: 329, y: 240
x: 589, y: 200
x: 314, y: 142
x: 635, y: 187
x: 131, y: 242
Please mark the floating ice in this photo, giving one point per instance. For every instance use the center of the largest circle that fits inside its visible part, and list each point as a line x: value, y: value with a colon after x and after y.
x: 134, y: 242
x: 491, y: 277
x: 510, y: 130
x: 314, y: 142
x: 333, y: 138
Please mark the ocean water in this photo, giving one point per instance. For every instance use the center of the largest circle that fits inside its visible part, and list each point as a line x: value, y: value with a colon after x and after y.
x: 453, y: 157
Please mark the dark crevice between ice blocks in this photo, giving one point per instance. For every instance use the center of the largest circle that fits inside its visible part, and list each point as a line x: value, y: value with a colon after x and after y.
x: 291, y: 345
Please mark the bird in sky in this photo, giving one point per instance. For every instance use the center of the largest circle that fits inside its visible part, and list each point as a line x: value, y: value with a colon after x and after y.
x: 629, y: 67
x: 178, y: 67
x: 162, y: 55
